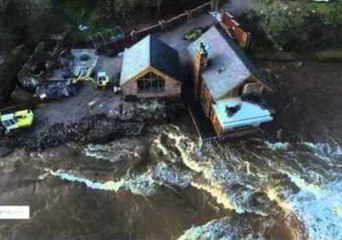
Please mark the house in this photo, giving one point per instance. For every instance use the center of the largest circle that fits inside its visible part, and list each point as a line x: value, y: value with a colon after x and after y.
x: 227, y: 84
x: 151, y: 69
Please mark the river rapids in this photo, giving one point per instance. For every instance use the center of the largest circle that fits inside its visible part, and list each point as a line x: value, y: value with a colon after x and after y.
x: 243, y: 189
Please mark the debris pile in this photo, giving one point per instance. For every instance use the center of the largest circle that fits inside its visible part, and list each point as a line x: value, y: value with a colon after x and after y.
x: 95, y: 129
x: 52, y: 67
x: 40, y: 65
x: 143, y: 110
x: 129, y: 120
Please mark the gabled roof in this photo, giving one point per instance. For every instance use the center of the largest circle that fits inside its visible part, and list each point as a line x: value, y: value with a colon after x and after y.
x: 228, y: 66
x: 150, y: 52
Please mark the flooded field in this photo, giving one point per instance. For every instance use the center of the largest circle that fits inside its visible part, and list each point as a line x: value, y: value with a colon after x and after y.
x: 285, y: 183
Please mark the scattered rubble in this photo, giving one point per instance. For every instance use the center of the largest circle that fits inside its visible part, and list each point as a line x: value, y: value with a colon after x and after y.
x: 127, y: 121
x: 95, y: 129
x: 52, y: 67
x: 40, y: 65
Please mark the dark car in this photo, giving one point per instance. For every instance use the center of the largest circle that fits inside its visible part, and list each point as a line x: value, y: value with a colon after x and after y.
x: 57, y: 90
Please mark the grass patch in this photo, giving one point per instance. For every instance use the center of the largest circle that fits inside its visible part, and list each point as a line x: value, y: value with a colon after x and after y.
x: 329, y: 54
x: 331, y: 12
x: 294, y: 24
x: 8, y: 71
x: 89, y: 15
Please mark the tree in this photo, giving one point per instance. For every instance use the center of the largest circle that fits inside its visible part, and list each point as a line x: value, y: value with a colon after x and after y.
x: 31, y: 20
x: 8, y: 71
x: 118, y: 9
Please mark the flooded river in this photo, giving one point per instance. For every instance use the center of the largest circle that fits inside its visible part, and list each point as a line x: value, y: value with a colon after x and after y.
x: 248, y: 189
x: 170, y: 185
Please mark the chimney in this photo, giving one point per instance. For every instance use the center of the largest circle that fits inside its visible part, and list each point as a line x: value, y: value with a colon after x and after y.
x: 200, y: 64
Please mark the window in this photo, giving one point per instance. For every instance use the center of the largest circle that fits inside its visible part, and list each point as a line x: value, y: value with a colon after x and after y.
x: 151, y: 83
x: 9, y: 123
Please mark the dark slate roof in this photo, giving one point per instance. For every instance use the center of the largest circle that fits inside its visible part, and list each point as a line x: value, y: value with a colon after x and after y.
x: 150, y: 52
x: 228, y: 65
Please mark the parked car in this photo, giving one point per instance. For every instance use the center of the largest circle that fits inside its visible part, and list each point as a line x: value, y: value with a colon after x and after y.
x: 54, y: 91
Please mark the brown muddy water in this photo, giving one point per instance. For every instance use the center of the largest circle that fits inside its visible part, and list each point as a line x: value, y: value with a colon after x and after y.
x: 283, y: 184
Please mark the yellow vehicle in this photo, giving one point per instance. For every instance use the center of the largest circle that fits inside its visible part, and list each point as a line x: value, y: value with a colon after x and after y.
x: 16, y: 120
x: 101, y: 81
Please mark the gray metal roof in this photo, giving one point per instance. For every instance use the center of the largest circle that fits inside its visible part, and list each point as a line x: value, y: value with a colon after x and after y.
x: 150, y: 52
x: 228, y: 66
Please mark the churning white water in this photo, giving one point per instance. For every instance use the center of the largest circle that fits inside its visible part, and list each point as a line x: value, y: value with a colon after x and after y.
x: 141, y: 184
x: 321, y: 211
x: 303, y: 180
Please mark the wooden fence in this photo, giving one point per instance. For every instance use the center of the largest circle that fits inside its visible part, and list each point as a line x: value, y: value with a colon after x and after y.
x: 128, y: 39
x: 119, y: 44
x: 235, y: 31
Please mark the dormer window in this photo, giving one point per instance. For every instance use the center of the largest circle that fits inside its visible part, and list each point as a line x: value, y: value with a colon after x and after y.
x: 151, y: 83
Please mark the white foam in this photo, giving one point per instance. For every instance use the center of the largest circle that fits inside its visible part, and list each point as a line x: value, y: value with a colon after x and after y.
x: 219, y: 193
x: 303, y: 185
x: 142, y: 184
x: 113, y: 151
x: 318, y: 206
x: 283, y: 146
x: 215, y: 229
x: 321, y: 211
x: 324, y: 149
x: 167, y: 174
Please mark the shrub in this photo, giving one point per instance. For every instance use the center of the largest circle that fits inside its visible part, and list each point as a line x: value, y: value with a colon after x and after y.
x: 8, y: 71
x: 290, y: 24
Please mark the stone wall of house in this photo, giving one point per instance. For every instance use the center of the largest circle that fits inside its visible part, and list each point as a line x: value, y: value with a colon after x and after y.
x: 129, y: 88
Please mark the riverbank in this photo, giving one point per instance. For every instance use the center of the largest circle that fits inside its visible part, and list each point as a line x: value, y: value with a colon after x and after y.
x: 92, y: 116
